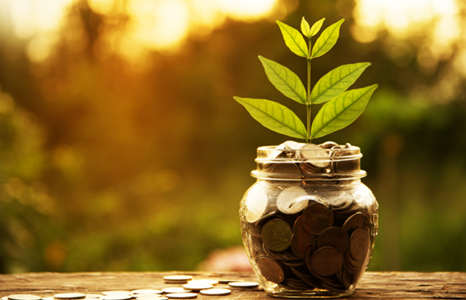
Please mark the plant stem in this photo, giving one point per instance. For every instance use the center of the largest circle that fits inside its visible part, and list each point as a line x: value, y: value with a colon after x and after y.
x: 308, y: 95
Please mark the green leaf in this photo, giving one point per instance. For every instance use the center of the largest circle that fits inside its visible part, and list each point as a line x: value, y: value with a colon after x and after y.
x: 327, y: 39
x: 293, y: 40
x: 341, y: 111
x: 336, y: 82
x: 274, y: 116
x: 305, y: 28
x: 287, y: 82
x: 316, y: 27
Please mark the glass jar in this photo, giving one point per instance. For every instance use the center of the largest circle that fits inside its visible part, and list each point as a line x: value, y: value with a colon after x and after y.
x: 308, y: 223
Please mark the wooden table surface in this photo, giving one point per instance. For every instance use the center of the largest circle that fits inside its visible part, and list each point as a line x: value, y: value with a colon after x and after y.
x: 381, y: 285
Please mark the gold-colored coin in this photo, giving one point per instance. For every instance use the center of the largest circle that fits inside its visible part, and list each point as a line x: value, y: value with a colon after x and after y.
x: 277, y: 235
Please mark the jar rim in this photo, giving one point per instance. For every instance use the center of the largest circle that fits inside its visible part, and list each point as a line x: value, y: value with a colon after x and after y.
x: 308, y: 162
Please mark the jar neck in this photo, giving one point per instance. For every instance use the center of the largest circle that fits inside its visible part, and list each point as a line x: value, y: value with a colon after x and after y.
x: 291, y: 161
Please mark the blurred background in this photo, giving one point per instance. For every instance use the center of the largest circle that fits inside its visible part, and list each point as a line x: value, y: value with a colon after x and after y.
x: 122, y: 149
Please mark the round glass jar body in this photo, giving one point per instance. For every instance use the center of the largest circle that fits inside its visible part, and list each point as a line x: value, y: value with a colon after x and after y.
x: 309, y: 224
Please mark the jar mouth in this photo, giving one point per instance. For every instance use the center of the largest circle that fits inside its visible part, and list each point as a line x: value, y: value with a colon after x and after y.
x: 299, y: 161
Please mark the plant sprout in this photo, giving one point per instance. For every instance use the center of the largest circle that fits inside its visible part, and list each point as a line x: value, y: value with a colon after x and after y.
x: 341, y: 106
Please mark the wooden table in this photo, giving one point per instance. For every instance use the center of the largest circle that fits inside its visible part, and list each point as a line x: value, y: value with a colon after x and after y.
x: 381, y: 285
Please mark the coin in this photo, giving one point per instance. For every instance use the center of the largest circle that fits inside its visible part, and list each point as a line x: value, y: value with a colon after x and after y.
x: 204, y: 281
x: 91, y: 296
x: 69, y: 296
x: 197, y: 287
x: 117, y: 296
x: 216, y: 292
x: 301, y: 234
x: 116, y: 293
x: 245, y: 284
x: 147, y: 291
x: 316, y: 218
x: 255, y: 203
x: 359, y: 244
x: 326, y: 261
x: 328, y: 145
x: 24, y: 297
x: 177, y: 278
x: 298, y: 248
x: 277, y: 235
x: 182, y: 296
x: 315, y: 155
x: 271, y: 269
x: 289, y: 201
x: 174, y: 290
x: 334, y: 236
x: 354, y: 221
x: 149, y: 297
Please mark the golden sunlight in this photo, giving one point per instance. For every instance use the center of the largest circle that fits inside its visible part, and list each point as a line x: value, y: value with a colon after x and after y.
x: 403, y: 18
x: 152, y: 25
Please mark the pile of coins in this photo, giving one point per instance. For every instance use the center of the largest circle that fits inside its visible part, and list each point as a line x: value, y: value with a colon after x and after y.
x: 304, y: 235
x: 187, y: 288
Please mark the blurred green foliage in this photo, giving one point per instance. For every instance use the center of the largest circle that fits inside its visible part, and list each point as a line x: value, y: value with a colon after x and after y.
x: 107, y: 168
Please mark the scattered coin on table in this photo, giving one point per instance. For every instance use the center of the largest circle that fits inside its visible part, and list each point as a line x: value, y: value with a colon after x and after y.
x: 146, y: 291
x: 246, y: 284
x: 197, y: 286
x: 175, y: 290
x: 181, y: 296
x: 70, y: 296
x: 216, y: 292
x: 23, y: 297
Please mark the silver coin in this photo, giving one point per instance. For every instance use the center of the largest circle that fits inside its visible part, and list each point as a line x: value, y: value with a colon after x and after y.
x: 178, y: 277
x: 149, y: 297
x: 117, y: 293
x: 197, y: 287
x: 204, y: 281
x: 116, y: 296
x: 147, y: 291
x: 182, y: 296
x: 216, y: 292
x: 70, y: 296
x: 174, y: 290
x: 292, y: 200
x: 255, y: 203
x: 248, y: 284
x: 315, y: 155
x: 24, y: 297
x: 91, y: 296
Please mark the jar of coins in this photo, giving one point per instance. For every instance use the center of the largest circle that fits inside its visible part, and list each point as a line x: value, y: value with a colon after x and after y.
x: 308, y: 223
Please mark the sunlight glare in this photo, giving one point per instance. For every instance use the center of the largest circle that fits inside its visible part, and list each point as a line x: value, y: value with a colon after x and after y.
x: 403, y: 18
x: 246, y: 9
x: 158, y: 24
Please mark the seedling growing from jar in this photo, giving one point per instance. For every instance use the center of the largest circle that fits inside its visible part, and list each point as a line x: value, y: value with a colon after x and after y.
x: 341, y: 106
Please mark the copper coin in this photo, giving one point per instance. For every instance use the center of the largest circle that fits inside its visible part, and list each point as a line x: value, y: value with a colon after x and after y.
x: 317, y: 217
x: 299, y: 249
x: 301, y: 234
x: 359, y: 244
x: 326, y: 261
x: 277, y: 235
x: 271, y: 270
x: 354, y: 221
x: 334, y: 236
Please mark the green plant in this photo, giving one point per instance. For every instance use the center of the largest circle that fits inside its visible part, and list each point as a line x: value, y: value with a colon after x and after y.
x: 341, y: 107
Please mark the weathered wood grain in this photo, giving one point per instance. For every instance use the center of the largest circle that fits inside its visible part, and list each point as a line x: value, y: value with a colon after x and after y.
x: 381, y: 285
